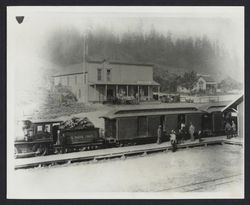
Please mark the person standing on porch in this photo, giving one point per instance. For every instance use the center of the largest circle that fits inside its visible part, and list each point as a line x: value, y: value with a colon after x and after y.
x: 191, y: 131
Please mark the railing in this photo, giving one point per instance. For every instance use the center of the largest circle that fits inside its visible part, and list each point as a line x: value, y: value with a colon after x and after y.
x: 205, y: 99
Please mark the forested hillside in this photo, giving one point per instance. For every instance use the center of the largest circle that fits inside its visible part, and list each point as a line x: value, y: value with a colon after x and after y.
x: 172, y: 56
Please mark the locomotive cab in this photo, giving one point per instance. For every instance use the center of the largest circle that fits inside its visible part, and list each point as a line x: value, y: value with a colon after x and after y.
x: 37, y: 138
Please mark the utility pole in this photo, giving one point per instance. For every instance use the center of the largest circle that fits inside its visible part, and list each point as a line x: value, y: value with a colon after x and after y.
x: 85, y: 70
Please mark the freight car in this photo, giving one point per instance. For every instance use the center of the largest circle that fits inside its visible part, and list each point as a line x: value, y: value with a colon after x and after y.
x: 47, y: 137
x: 139, y: 124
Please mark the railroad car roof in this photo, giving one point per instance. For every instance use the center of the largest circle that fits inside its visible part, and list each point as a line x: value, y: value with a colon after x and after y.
x: 161, y: 109
x: 155, y: 109
x: 213, y: 106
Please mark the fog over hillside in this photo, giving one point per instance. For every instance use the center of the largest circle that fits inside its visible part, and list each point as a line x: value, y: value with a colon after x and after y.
x: 175, y: 39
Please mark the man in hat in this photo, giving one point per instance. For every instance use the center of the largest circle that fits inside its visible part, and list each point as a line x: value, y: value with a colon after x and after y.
x: 173, y: 140
x: 191, y: 131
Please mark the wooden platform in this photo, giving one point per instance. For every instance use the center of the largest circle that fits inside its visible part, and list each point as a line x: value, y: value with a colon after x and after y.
x: 120, y: 152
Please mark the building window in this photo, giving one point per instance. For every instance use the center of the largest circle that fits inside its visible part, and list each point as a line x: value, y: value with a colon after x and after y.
x: 108, y: 75
x: 200, y: 85
x: 67, y: 80
x: 39, y: 128
x: 79, y: 93
x: 47, y: 128
x: 75, y: 79
x: 99, y: 74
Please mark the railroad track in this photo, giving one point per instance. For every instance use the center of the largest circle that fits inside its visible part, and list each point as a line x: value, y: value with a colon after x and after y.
x: 105, y: 154
x: 198, y: 186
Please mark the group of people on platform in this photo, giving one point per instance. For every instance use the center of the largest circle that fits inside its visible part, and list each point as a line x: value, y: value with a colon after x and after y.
x: 182, y: 135
x: 191, y: 133
x: 230, y: 129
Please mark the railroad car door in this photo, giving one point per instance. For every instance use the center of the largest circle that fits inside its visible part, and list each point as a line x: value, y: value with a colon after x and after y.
x: 181, y: 119
x: 127, y: 128
x: 153, y: 123
x: 195, y: 118
x: 110, y: 128
x: 171, y: 123
x: 142, y: 126
x: 218, y: 122
x: 206, y: 122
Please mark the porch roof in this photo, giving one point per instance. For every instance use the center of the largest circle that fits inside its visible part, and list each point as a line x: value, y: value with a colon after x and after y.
x: 125, y: 83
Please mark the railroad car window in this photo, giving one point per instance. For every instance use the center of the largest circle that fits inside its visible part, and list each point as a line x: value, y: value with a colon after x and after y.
x: 39, y: 128
x: 47, y: 128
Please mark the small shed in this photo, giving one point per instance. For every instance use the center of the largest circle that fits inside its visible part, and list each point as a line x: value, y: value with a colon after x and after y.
x: 237, y: 105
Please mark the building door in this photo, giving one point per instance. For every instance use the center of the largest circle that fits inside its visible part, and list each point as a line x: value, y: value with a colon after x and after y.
x: 110, y: 94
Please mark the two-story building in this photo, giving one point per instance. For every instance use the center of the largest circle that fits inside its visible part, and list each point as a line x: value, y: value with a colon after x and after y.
x: 98, y: 81
x: 206, y: 84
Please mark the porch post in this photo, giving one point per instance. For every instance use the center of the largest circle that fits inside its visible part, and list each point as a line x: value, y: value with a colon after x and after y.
x: 116, y: 89
x: 158, y: 92
x: 138, y: 92
x: 106, y: 92
x: 95, y: 94
x: 148, y: 93
x: 127, y: 90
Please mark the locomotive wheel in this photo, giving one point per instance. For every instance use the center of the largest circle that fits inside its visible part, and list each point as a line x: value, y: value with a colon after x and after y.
x: 40, y: 150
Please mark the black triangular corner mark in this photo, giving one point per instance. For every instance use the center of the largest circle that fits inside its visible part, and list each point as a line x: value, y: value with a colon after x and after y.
x: 19, y: 19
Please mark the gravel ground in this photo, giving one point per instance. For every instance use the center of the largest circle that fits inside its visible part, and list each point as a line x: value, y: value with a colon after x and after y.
x: 185, y: 170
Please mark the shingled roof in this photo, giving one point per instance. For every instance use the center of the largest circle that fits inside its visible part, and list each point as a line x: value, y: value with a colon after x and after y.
x: 208, y: 79
x: 78, y: 68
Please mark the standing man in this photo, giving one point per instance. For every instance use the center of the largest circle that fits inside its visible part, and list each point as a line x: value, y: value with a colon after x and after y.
x: 228, y: 129
x: 173, y: 140
x: 233, y: 129
x: 182, y: 132
x: 191, y: 131
x: 159, y: 134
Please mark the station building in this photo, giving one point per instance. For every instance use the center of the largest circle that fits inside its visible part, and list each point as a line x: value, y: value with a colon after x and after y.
x: 100, y: 81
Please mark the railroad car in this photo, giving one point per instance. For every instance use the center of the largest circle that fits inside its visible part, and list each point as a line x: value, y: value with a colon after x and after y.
x: 215, y: 118
x: 140, y: 124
